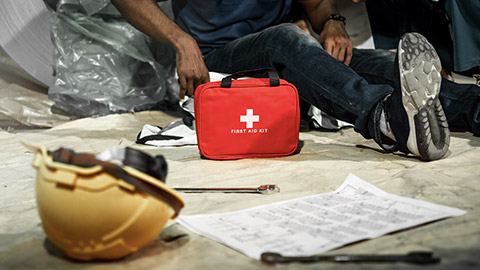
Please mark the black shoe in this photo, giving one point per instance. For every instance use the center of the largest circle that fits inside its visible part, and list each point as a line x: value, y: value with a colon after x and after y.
x: 413, y: 110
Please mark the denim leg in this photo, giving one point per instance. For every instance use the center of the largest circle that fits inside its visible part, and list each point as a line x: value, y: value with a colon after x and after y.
x: 460, y: 102
x: 320, y: 79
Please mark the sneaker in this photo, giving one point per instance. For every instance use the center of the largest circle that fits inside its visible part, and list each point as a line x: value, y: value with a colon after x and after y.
x: 413, y: 110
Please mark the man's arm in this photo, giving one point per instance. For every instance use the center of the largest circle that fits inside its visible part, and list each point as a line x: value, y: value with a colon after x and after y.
x: 332, y: 33
x: 146, y: 16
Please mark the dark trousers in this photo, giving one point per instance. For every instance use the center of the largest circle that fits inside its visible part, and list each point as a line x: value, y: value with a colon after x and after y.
x: 390, y: 19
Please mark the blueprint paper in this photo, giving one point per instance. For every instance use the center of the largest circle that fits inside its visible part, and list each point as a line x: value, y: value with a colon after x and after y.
x: 310, y: 225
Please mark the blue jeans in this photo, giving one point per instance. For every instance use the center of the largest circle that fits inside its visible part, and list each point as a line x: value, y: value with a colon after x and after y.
x: 354, y: 93
x: 460, y: 102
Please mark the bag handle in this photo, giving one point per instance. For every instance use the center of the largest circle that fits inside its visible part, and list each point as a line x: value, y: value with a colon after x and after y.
x: 272, y: 75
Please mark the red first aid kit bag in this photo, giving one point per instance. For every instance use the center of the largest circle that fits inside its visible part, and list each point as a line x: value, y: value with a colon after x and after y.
x: 247, y: 118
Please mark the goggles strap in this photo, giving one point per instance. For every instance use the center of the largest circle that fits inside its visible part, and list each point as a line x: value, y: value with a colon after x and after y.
x: 153, y: 166
x: 134, y: 158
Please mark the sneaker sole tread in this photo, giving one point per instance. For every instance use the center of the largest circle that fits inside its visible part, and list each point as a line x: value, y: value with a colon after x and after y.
x: 420, y: 80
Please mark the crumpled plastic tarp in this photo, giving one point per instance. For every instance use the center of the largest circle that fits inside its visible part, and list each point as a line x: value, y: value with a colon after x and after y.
x: 23, y: 100
x: 104, y: 65
x: 28, y: 108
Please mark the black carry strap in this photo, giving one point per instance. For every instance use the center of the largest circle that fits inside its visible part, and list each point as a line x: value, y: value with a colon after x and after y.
x: 154, y: 166
x: 272, y: 75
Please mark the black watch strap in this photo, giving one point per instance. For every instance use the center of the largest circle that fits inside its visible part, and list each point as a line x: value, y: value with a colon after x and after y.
x: 337, y: 18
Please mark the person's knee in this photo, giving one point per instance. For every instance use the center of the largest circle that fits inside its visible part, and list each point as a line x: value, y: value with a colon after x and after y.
x: 290, y: 38
x: 286, y: 33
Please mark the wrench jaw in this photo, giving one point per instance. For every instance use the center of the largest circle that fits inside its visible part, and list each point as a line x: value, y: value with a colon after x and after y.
x: 268, y: 189
x: 273, y: 258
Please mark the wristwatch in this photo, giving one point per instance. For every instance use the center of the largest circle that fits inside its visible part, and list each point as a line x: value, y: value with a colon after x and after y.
x: 337, y: 18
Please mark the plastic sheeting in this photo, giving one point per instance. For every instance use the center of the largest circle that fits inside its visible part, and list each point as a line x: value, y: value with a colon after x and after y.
x: 103, y: 65
x: 28, y: 108
x: 23, y: 101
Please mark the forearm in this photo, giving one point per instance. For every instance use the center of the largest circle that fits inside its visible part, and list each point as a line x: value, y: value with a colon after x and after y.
x: 146, y: 16
x: 317, y: 12
x: 331, y: 33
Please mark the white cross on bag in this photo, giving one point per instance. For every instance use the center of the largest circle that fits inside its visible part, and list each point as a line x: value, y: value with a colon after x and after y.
x: 249, y: 118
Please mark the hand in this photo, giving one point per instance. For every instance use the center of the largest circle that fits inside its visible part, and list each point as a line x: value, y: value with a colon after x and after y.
x: 335, y: 40
x: 191, y: 68
x: 147, y: 17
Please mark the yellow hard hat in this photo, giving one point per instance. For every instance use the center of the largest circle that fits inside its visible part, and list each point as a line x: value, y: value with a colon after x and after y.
x: 92, y: 208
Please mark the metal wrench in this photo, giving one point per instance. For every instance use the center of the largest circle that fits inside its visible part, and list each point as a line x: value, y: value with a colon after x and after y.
x: 419, y: 257
x: 263, y: 189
